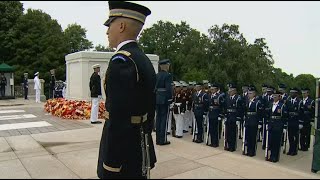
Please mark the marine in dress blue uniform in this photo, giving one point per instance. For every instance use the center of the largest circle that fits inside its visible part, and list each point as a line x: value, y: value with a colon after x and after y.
x: 200, y: 108
x: 245, y: 99
x: 284, y: 96
x: 308, y: 106
x: 253, y: 120
x: 234, y: 113
x: 164, y: 95
x: 295, y: 122
x: 216, y: 102
x: 276, y: 126
x: 131, y: 101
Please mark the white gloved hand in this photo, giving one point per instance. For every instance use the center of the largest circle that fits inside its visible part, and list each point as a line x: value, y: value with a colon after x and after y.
x: 284, y: 130
x: 204, y: 116
x: 259, y: 126
x: 267, y: 128
x: 219, y: 119
x: 182, y: 113
x: 312, y: 123
x: 100, y: 96
x: 171, y: 106
x: 238, y: 123
x: 300, y: 126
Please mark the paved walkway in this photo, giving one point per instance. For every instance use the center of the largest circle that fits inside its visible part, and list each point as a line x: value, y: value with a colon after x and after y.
x: 73, y: 153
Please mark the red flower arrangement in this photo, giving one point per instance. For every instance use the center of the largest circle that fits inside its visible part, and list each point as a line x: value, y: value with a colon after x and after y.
x: 73, y: 109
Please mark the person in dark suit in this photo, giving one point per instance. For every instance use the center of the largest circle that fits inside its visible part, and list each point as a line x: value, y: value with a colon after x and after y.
x: 25, y: 85
x: 164, y: 93
x: 52, y: 84
x: 126, y: 147
x: 3, y: 84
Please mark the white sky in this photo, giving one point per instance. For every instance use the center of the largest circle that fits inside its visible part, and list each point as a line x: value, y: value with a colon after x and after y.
x: 291, y: 29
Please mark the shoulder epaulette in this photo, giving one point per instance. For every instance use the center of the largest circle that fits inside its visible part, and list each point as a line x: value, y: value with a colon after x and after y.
x: 126, y: 53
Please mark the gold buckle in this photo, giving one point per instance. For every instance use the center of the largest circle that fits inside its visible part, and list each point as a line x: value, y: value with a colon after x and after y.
x: 111, y: 169
x: 137, y: 119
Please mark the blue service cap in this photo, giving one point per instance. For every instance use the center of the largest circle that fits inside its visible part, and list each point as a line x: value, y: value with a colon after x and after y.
x: 294, y: 90
x: 214, y: 85
x: 164, y: 61
x: 252, y: 88
x: 232, y: 86
x: 127, y: 10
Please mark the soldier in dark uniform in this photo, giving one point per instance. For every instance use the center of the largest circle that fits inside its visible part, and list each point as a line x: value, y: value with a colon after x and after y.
x: 25, y: 85
x: 234, y: 113
x: 308, y: 106
x: 267, y: 104
x: 276, y: 126
x: 3, y: 84
x: 163, y: 100
x: 52, y: 84
x: 262, y: 99
x: 131, y: 79
x: 222, y: 113
x: 245, y: 99
x: 216, y: 102
x: 294, y: 105
x: 200, y: 108
x: 284, y: 95
x: 252, y: 121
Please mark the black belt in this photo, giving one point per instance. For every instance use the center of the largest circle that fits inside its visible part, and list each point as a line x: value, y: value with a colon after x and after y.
x: 231, y: 110
x: 276, y: 117
x: 161, y: 89
x: 214, y: 107
x: 293, y: 113
x: 251, y: 113
x: 139, y: 119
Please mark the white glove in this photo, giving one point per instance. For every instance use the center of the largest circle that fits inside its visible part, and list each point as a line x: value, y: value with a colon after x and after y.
x: 171, y: 105
x: 219, y: 119
x: 100, y: 96
x: 300, y: 126
x: 284, y: 130
x: 182, y: 113
x: 267, y: 128
x: 204, y: 116
x: 238, y: 123
x: 259, y: 126
x: 312, y: 123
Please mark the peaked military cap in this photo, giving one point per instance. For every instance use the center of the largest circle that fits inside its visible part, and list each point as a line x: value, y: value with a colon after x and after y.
x: 282, y: 86
x: 294, y: 90
x: 199, y: 84
x: 164, y: 61
x: 270, y: 88
x: 304, y: 90
x: 214, y: 85
x: 96, y: 66
x: 232, y: 86
x: 36, y: 73
x: 252, y: 88
x: 127, y: 10
x: 276, y: 92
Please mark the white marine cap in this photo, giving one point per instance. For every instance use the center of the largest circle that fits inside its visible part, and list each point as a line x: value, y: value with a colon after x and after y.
x: 36, y: 73
x: 96, y: 66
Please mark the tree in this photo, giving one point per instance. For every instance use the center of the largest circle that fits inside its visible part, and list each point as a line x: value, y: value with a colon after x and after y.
x: 10, y: 12
x: 306, y: 81
x: 38, y: 45
x: 76, y: 38
x: 101, y: 48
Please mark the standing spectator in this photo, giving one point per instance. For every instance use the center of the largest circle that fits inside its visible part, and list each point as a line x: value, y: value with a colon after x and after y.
x: 3, y: 84
x: 37, y: 86
x: 96, y: 95
x: 25, y: 86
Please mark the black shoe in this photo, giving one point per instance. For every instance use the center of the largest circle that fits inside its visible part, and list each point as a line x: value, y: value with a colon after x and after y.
x: 294, y: 153
x: 232, y: 150
x: 215, y: 145
x: 165, y: 143
x: 168, y: 133
x: 96, y: 122
x: 178, y: 136
x: 199, y: 141
x: 184, y: 131
x: 314, y: 171
x: 289, y: 153
x: 274, y: 161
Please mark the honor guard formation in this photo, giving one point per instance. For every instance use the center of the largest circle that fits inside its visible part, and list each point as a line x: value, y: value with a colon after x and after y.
x: 273, y: 118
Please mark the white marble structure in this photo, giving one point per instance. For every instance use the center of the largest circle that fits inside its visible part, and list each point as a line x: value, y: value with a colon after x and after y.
x: 79, y: 70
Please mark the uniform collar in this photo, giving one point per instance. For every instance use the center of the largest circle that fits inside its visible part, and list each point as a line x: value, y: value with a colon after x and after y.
x: 276, y: 103
x: 124, y: 43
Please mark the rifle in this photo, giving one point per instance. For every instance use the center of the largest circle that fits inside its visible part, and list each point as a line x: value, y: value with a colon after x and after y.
x: 225, y: 135
x: 244, y: 141
x: 267, y: 146
x: 148, y: 167
x: 208, y: 134
x: 285, y: 141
